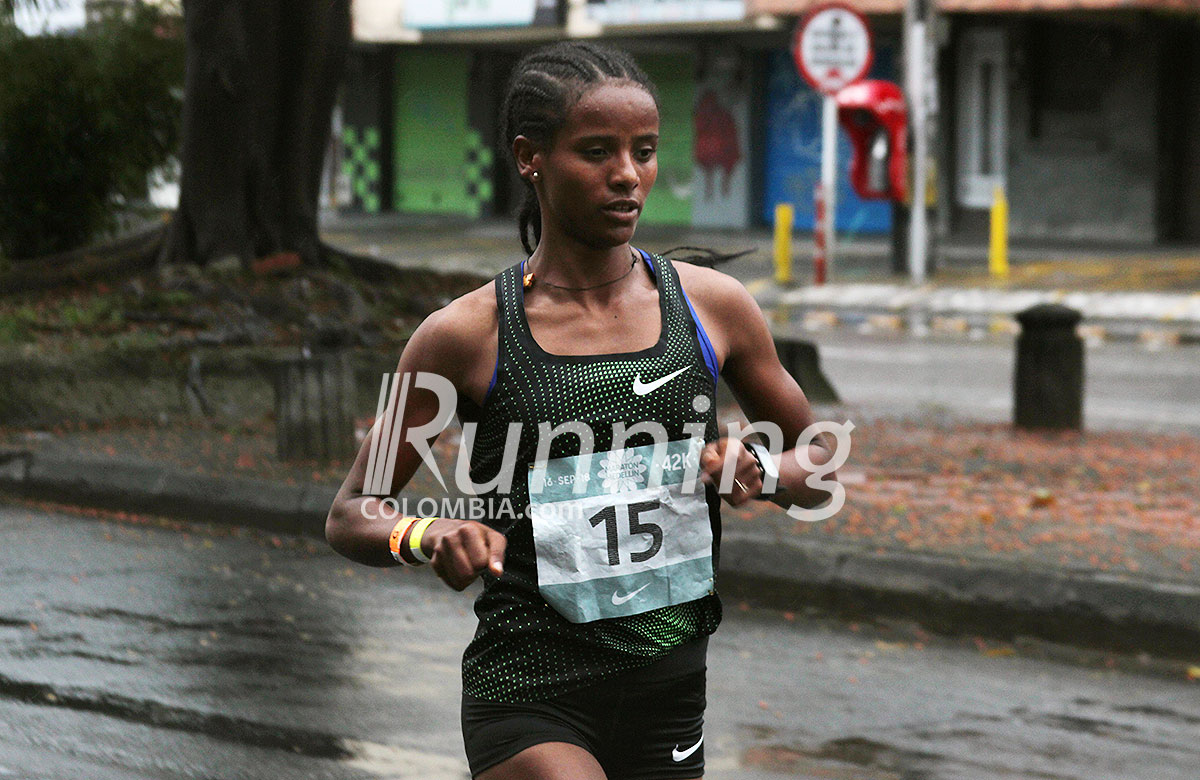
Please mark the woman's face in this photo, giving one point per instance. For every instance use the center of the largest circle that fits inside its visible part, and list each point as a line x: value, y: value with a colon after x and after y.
x: 596, y: 176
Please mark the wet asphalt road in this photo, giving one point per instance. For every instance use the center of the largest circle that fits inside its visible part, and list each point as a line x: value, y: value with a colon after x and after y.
x: 159, y: 650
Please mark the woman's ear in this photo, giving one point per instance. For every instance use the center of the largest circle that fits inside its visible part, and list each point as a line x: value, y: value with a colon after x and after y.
x: 527, y: 155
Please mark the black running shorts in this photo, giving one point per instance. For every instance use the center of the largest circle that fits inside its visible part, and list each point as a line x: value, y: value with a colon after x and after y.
x: 645, y: 724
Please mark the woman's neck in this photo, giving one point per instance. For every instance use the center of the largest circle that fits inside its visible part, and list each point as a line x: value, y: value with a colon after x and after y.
x: 565, y: 263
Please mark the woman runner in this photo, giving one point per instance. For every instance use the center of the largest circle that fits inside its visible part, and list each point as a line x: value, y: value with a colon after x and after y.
x: 589, y: 659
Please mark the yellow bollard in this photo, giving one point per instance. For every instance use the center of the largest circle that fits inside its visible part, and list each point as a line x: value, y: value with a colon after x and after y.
x: 998, y: 249
x: 785, y: 216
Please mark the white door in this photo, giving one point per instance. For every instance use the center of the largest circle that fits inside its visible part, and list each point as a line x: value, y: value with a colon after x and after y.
x: 982, y: 116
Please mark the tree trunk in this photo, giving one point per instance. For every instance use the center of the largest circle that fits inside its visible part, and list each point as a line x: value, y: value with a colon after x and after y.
x: 261, y: 81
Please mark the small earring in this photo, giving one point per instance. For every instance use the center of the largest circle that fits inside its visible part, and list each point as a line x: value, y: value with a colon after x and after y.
x: 534, y: 175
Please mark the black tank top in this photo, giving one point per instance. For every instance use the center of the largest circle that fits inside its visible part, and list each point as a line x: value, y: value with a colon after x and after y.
x: 524, y: 650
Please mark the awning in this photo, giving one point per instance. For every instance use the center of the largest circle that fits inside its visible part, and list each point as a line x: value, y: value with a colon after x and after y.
x: 799, y: 7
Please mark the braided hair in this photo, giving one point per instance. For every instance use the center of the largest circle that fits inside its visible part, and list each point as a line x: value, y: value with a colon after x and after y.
x: 543, y: 88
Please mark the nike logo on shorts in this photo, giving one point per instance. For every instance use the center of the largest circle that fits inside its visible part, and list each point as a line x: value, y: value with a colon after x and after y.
x: 619, y: 600
x: 678, y: 755
x: 640, y: 388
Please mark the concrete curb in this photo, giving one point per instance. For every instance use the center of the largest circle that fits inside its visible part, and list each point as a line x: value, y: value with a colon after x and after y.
x: 997, y: 598
x: 1096, y: 331
x: 150, y: 488
x: 1174, y: 319
x: 990, y: 597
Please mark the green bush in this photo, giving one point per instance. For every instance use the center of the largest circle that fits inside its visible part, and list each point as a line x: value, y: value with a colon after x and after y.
x: 84, y: 118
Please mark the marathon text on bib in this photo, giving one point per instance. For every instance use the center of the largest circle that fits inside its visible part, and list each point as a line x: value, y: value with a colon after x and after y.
x: 633, y: 537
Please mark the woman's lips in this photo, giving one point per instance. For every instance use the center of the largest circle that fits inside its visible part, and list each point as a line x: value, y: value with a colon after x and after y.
x: 623, y: 210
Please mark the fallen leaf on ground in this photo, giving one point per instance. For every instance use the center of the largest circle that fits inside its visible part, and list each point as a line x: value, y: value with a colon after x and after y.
x: 1042, y: 498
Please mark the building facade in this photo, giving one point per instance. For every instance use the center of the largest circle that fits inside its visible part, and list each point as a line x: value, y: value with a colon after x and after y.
x: 1083, y: 111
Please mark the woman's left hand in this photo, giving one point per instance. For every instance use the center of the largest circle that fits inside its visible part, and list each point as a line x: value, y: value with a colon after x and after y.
x: 746, y: 481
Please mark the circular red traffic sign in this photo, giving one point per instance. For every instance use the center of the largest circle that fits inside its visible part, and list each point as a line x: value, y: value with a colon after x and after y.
x: 832, y: 47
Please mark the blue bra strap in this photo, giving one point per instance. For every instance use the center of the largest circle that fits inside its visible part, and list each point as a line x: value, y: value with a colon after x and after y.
x: 706, y: 347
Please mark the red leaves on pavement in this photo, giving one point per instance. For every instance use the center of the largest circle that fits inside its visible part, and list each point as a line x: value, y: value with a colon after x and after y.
x: 1107, y: 500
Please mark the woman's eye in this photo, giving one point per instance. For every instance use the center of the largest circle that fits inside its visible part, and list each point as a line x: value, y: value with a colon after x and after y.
x: 646, y: 154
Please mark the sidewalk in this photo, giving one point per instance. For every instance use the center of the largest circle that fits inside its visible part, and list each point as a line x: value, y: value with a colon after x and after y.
x: 1091, y: 539
x: 1148, y: 294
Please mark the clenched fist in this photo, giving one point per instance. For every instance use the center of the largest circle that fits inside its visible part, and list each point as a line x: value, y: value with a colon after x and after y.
x: 727, y: 464
x: 461, y: 550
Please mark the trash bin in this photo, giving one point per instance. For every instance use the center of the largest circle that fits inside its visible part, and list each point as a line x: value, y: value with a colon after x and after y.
x: 1048, y: 382
x: 314, y: 407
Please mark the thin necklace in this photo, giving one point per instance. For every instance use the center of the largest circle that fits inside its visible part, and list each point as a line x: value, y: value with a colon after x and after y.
x: 528, y: 279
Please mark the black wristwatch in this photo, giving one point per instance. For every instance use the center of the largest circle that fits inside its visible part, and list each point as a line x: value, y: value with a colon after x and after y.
x: 766, y: 468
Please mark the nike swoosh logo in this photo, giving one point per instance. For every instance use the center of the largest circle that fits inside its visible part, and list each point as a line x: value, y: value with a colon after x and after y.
x: 619, y: 600
x: 640, y: 388
x: 678, y: 755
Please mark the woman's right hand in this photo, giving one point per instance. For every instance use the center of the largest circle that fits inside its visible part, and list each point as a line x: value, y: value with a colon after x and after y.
x: 461, y: 550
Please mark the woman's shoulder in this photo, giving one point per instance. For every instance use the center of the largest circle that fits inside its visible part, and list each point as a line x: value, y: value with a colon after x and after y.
x: 470, y: 315
x: 459, y: 332
x: 730, y: 315
x: 713, y: 289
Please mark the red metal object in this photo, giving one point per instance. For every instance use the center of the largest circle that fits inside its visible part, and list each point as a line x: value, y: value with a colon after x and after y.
x: 866, y: 110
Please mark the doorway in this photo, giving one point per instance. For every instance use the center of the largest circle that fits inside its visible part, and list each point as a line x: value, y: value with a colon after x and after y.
x: 982, y: 116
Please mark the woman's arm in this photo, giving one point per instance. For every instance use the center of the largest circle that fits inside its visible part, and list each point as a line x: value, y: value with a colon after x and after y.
x: 766, y: 392
x: 445, y: 344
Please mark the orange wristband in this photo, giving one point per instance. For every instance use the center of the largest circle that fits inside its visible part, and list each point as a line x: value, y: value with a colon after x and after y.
x: 398, y: 533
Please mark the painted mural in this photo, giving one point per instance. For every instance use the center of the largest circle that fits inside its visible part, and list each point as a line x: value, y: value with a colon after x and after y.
x: 793, y: 150
x: 442, y: 164
x: 360, y: 166
x: 720, y: 146
x: 670, y: 202
x: 359, y: 182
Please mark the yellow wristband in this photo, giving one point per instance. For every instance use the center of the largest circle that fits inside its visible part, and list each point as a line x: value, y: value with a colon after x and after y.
x: 414, y: 539
x: 397, y: 534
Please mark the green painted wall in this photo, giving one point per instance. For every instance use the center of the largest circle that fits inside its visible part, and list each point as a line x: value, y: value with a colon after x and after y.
x: 361, y: 166
x: 670, y: 202
x: 442, y: 165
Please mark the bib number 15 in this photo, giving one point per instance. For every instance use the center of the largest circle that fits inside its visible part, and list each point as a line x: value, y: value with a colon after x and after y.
x: 608, y: 516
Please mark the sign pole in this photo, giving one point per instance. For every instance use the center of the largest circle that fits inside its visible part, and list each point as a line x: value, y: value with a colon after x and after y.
x: 832, y: 48
x: 916, y: 80
x: 829, y: 177
x: 819, y: 222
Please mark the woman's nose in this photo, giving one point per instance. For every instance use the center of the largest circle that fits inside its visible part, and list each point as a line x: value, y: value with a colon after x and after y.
x: 624, y: 171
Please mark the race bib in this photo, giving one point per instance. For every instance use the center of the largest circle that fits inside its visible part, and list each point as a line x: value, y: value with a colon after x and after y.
x: 621, y: 535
